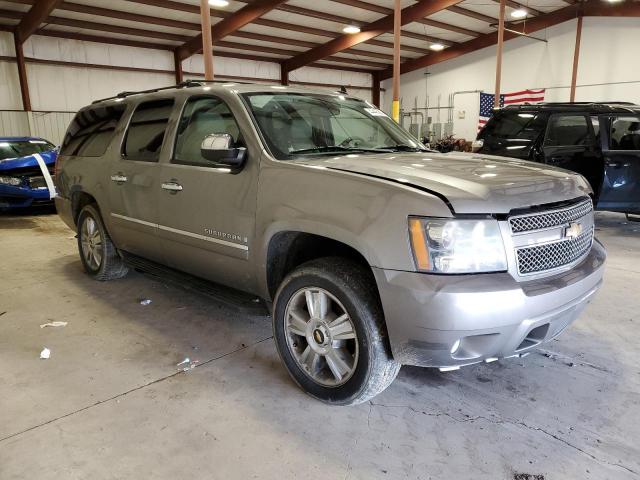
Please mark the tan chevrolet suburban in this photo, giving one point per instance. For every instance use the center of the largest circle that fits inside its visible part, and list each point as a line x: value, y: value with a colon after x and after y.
x: 373, y: 251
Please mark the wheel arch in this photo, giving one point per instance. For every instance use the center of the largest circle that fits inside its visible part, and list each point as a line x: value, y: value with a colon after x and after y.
x: 80, y: 199
x: 288, y: 249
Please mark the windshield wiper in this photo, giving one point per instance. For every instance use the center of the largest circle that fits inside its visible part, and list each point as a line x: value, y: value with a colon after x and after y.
x: 405, y: 148
x: 338, y: 149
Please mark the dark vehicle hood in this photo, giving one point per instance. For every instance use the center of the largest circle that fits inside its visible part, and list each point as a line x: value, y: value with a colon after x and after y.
x: 28, y: 161
x: 470, y: 183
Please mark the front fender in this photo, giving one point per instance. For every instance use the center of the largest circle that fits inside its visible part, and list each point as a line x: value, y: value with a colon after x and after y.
x: 367, y: 214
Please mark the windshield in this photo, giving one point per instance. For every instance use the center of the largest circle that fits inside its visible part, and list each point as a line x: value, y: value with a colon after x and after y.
x: 295, y: 125
x: 16, y: 149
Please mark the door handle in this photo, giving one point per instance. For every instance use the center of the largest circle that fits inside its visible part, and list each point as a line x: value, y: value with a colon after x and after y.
x: 119, y: 178
x: 173, y: 187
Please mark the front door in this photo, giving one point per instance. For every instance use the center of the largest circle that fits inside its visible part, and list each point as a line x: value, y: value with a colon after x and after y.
x: 134, y: 181
x: 570, y: 143
x: 207, y: 210
x: 621, y: 149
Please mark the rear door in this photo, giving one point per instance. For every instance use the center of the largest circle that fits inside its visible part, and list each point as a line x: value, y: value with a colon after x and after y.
x: 207, y: 210
x: 134, y: 180
x: 570, y: 143
x: 621, y: 151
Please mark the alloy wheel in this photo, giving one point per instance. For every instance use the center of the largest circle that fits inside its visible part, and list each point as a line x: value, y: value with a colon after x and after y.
x: 321, y: 336
x: 91, y: 241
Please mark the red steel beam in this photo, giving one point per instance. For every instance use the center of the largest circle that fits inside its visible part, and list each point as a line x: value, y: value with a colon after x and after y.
x: 34, y: 18
x: 370, y: 31
x: 576, y: 58
x: 372, y: 7
x: 227, y: 26
x: 533, y: 25
x: 22, y: 74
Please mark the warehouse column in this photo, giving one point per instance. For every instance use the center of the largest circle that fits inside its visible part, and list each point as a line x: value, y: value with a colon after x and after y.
x: 178, y: 67
x: 22, y: 74
x: 496, y: 100
x: 395, y: 107
x: 576, y: 58
x: 207, y: 43
x: 375, y: 88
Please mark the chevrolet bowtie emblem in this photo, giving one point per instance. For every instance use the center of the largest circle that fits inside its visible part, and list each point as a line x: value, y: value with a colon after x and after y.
x: 573, y: 230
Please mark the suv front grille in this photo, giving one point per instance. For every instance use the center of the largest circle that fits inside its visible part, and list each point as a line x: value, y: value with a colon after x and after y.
x: 549, y: 219
x: 553, y: 255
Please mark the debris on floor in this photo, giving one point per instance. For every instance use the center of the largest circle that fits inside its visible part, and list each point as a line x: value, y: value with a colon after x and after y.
x: 190, y: 365
x: 54, y: 324
x: 186, y: 360
x: 45, y: 353
x: 2, y: 313
x: 145, y: 301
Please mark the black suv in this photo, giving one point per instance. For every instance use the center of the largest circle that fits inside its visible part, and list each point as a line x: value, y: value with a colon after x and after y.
x: 599, y: 140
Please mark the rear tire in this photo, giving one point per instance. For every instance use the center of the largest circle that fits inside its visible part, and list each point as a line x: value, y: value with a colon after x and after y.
x: 329, y: 330
x: 98, y: 254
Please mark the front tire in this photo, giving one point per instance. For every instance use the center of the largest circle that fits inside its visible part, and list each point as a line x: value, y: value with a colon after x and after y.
x: 98, y: 254
x: 329, y: 330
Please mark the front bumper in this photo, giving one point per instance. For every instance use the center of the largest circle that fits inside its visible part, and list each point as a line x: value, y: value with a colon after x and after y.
x: 21, y: 197
x: 454, y: 320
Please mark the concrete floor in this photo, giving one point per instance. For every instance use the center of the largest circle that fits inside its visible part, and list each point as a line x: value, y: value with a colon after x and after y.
x: 110, y: 403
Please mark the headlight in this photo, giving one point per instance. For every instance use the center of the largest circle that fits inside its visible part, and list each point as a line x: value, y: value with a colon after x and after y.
x: 477, y: 145
x: 457, y: 246
x: 15, y: 181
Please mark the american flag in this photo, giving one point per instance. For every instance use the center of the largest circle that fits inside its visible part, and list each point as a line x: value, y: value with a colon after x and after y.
x: 514, y: 98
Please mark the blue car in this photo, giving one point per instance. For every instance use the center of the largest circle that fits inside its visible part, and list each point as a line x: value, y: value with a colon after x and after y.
x: 22, y: 183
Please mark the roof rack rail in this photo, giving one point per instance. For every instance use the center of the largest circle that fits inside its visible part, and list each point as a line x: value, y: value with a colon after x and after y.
x: 186, y: 84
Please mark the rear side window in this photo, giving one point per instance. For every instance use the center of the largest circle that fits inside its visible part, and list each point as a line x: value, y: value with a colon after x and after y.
x: 625, y: 133
x: 146, y: 131
x: 91, y: 131
x: 523, y: 125
x: 202, y: 116
x: 568, y: 130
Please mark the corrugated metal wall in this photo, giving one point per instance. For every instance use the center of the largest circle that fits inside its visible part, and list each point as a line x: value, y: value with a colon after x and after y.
x: 48, y: 125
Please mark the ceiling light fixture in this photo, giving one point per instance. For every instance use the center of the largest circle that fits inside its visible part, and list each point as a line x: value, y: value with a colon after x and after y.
x: 437, y: 47
x: 219, y: 3
x: 519, y: 13
x: 351, y: 29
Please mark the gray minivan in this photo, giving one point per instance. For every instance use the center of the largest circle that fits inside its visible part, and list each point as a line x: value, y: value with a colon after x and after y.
x: 373, y: 251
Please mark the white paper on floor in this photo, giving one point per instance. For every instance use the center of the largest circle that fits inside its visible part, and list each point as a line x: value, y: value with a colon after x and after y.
x: 54, y: 324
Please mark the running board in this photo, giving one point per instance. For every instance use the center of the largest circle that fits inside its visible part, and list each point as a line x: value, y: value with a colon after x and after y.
x: 237, y: 299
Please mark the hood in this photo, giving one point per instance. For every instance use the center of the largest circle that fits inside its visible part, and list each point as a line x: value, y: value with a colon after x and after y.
x: 28, y: 161
x: 470, y: 183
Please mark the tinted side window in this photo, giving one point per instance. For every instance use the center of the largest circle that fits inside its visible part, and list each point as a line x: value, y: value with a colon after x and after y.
x: 526, y: 125
x: 567, y: 130
x: 146, y: 131
x: 91, y: 131
x: 202, y: 116
x: 625, y: 133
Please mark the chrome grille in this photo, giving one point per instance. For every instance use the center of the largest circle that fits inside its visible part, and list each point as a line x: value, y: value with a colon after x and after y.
x: 553, y: 255
x: 549, y: 219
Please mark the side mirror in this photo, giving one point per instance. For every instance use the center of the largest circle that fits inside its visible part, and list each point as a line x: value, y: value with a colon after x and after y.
x: 218, y: 148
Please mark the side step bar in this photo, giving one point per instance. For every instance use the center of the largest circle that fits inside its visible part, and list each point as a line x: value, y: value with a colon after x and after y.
x: 237, y: 299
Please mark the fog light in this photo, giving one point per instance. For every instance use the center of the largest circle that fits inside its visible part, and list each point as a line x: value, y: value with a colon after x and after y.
x: 455, y: 346
x: 14, y: 181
